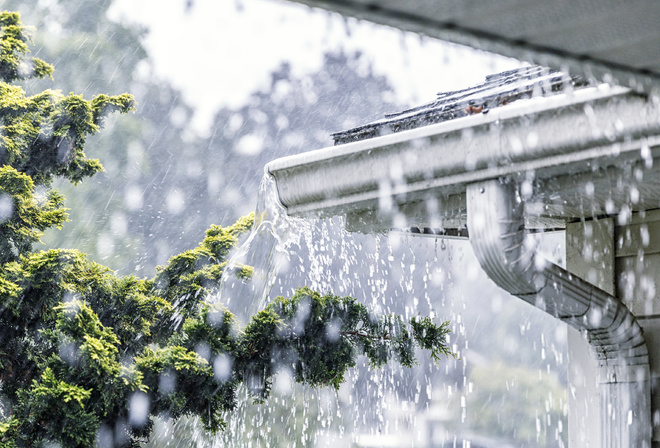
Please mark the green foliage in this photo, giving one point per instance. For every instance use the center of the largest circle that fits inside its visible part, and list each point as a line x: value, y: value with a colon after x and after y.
x: 56, y: 410
x: 187, y: 278
x: 79, y: 346
x: 430, y: 336
x: 14, y: 39
x: 29, y: 216
x: 8, y: 432
x: 43, y: 135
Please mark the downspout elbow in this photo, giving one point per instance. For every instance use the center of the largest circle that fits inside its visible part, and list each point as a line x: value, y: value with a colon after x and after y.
x: 509, y: 258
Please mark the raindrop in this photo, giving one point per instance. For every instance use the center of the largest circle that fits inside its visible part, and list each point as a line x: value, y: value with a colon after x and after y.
x: 138, y: 412
x: 634, y: 195
x: 69, y: 353
x: 532, y: 139
x: 175, y: 201
x: 333, y: 330
x: 646, y: 155
x: 618, y: 125
x: 594, y: 317
x: 178, y: 117
x: 203, y: 349
x: 609, y: 206
x: 167, y: 383
x: 133, y: 198
x: 589, y: 189
x: 250, y: 145
x: 119, y: 223
x: 624, y: 215
x: 6, y: 207
x: 104, y: 437
x: 526, y: 189
x: 385, y: 202
x: 516, y: 145
x: 105, y: 245
x: 222, y: 365
x: 644, y: 234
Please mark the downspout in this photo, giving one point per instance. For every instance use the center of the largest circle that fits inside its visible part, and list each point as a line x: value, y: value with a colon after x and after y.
x: 497, y: 234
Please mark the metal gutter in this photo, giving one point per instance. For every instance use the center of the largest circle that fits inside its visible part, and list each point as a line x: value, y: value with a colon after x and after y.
x: 497, y: 234
x: 569, y: 134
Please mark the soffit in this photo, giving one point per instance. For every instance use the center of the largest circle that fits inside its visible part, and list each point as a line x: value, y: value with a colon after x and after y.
x: 607, y: 40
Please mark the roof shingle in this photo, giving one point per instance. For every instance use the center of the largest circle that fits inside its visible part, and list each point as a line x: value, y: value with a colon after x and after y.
x: 496, y: 91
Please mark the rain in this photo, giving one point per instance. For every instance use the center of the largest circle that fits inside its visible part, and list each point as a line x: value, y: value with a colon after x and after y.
x: 230, y: 105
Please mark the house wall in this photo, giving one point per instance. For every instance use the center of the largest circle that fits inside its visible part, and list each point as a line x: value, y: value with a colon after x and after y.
x: 637, y: 267
x: 624, y: 259
x: 590, y: 256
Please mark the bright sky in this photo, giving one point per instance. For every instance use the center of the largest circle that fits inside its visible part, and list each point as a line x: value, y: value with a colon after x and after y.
x: 223, y: 50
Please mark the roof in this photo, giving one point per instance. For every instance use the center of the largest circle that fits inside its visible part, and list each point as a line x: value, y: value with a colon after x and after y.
x: 496, y: 91
x: 610, y: 41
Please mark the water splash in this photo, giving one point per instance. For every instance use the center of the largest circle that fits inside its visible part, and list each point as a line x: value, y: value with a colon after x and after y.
x: 266, y: 250
x: 419, y: 407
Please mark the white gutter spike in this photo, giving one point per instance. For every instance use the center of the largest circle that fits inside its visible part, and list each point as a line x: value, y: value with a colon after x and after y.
x: 495, y: 215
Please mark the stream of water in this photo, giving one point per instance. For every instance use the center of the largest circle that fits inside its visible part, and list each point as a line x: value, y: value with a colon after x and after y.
x: 267, y: 250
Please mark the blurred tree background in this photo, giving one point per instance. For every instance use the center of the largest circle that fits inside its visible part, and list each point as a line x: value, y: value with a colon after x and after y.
x: 164, y: 185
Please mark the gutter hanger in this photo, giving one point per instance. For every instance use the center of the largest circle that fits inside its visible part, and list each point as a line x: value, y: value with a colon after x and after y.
x: 495, y: 215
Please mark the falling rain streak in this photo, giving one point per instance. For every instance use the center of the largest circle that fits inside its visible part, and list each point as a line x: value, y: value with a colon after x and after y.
x: 503, y: 365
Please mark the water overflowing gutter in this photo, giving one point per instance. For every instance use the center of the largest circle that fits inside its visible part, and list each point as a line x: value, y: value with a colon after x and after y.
x: 497, y: 234
x: 559, y: 159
